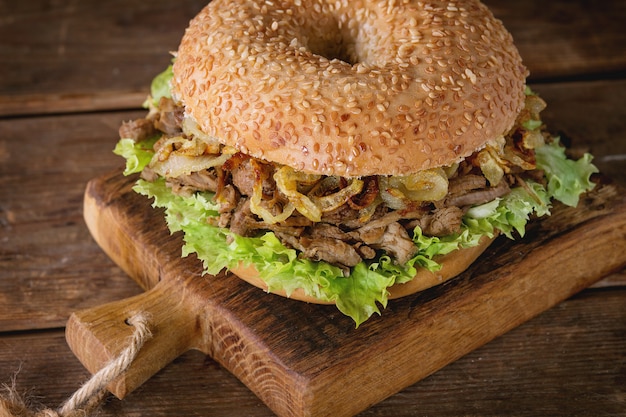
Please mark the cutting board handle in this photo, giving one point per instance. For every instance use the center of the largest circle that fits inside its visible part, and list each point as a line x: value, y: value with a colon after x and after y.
x: 98, y: 335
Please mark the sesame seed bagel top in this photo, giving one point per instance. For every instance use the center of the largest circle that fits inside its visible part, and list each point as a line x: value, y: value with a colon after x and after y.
x: 353, y: 87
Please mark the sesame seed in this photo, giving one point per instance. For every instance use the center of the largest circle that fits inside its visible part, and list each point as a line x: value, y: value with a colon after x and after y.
x: 407, y: 75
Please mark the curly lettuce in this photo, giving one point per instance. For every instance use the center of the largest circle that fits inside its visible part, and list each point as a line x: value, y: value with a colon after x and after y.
x: 136, y: 154
x: 360, y: 295
x: 567, y: 178
x: 160, y: 87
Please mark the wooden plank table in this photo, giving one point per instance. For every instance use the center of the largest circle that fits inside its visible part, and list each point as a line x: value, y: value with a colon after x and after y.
x: 72, y: 71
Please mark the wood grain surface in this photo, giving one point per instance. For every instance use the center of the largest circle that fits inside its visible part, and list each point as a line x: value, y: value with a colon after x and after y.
x: 72, y: 71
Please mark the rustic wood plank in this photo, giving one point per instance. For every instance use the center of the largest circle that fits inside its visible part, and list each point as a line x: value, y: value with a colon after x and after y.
x: 95, y: 56
x: 567, y: 361
x: 85, y: 55
x: 546, y: 371
x: 566, y: 39
x: 49, y: 264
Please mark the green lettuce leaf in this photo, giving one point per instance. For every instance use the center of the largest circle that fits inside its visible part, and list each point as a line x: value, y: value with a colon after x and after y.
x: 160, y: 87
x: 567, y: 179
x: 510, y: 213
x: 137, y: 154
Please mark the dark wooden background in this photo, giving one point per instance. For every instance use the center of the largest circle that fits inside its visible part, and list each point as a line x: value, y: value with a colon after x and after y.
x: 71, y: 71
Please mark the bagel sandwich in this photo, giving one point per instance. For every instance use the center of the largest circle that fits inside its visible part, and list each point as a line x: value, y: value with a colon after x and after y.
x: 347, y: 153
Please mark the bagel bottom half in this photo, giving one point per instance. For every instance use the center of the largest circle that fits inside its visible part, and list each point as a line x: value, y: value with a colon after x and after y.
x: 452, y: 264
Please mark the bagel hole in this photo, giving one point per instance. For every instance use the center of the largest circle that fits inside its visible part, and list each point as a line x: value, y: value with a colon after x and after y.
x: 343, y: 51
x: 333, y: 43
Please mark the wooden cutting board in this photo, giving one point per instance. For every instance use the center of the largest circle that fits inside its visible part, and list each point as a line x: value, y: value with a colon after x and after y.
x: 310, y: 360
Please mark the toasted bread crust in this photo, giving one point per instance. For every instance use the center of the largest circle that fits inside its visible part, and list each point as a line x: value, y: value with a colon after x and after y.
x: 350, y: 88
x: 452, y: 265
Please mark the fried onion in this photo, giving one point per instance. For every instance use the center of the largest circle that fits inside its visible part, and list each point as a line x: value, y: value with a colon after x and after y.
x: 287, y: 180
x: 398, y: 191
x: 177, y: 156
x: 337, y: 199
x: 256, y: 200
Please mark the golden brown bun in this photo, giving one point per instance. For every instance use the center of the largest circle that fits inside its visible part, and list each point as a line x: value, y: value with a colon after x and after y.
x: 350, y: 88
x: 452, y: 265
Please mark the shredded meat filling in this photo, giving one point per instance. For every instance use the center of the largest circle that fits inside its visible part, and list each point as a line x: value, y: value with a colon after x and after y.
x: 138, y: 130
x: 361, y: 227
